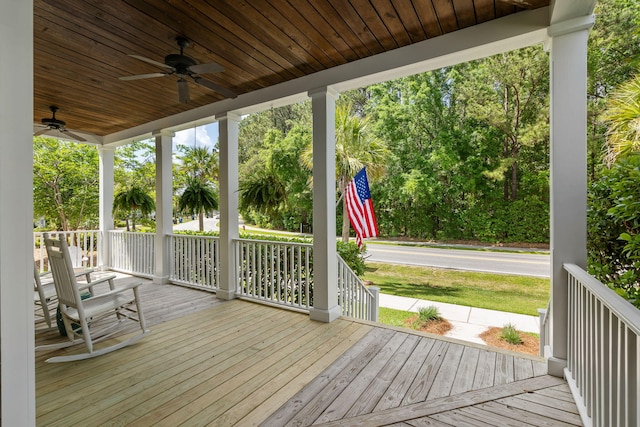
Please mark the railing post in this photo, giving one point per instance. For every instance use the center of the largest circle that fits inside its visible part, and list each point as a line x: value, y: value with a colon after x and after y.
x: 373, y: 307
x: 542, y: 315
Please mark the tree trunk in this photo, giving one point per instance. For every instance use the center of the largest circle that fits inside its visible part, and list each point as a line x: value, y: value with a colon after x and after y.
x: 126, y: 221
x: 514, y: 181
x: 345, y: 221
x: 201, y: 221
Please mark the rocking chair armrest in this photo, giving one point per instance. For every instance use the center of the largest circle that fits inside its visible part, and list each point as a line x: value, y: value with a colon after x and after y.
x: 90, y: 283
x: 118, y: 290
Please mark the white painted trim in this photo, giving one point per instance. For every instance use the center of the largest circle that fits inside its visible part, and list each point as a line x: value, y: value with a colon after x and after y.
x: 164, y: 203
x: 16, y: 215
x: 106, y: 185
x: 325, y: 265
x: 228, y: 146
x: 572, y: 25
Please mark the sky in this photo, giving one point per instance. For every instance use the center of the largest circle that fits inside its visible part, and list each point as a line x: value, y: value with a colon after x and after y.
x: 205, y: 136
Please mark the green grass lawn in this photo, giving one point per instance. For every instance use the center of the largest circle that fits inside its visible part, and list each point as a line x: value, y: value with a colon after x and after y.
x: 515, y: 294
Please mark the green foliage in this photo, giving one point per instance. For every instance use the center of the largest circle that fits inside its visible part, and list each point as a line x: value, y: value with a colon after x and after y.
x: 130, y: 202
x: 389, y: 316
x: 65, y: 184
x: 613, y: 226
x: 198, y: 198
x: 427, y: 314
x: 510, y: 334
x: 352, y: 255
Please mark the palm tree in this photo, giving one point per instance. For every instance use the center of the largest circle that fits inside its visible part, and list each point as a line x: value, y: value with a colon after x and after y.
x: 623, y: 115
x: 201, y: 163
x: 131, y: 200
x: 197, y: 198
x: 356, y: 147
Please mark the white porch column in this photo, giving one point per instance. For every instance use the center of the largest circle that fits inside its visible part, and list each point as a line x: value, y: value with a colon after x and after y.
x: 228, y: 144
x: 568, y: 42
x: 106, y: 203
x: 16, y: 215
x: 325, y: 287
x: 164, y: 203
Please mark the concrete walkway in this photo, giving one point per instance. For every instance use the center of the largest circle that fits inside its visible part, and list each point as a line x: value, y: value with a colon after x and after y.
x: 468, y: 322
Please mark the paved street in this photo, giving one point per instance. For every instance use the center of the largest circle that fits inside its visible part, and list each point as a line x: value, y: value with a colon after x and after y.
x: 486, y: 261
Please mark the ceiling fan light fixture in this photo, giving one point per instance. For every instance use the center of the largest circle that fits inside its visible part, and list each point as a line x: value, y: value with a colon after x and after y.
x: 183, y: 91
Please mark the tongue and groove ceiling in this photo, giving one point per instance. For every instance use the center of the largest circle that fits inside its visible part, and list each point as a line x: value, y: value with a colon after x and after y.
x: 81, y: 47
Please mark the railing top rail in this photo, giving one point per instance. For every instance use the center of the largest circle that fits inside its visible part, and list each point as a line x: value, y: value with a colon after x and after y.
x: 137, y: 233
x: 193, y: 236
x: 275, y: 242
x: 623, y: 309
x: 66, y: 232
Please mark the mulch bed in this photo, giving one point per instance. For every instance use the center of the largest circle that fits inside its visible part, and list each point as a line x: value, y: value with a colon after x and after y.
x: 530, y: 344
x: 438, y: 327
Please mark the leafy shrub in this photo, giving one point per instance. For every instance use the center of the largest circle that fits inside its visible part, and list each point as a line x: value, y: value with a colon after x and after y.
x: 427, y: 314
x: 613, y: 227
x: 510, y: 334
x: 352, y: 255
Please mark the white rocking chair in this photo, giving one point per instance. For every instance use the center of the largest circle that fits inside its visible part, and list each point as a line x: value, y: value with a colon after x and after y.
x: 45, y: 298
x: 121, y: 303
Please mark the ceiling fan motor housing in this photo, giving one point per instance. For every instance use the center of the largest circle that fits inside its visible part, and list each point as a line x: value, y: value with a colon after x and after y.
x: 181, y: 63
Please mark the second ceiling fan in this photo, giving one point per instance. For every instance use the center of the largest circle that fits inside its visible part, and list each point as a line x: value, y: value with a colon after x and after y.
x: 184, y: 67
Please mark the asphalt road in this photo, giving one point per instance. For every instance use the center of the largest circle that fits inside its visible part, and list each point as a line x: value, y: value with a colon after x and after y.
x: 458, y: 259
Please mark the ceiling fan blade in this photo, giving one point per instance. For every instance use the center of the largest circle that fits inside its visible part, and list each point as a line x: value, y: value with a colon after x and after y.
x: 41, y: 132
x: 152, y: 62
x: 143, y: 76
x: 183, y: 91
x: 211, y: 67
x: 72, y: 135
x: 213, y: 86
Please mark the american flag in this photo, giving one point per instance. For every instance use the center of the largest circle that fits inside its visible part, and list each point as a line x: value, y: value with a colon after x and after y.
x: 360, y: 207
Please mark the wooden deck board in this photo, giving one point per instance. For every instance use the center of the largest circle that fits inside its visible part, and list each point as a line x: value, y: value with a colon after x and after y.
x: 212, y: 362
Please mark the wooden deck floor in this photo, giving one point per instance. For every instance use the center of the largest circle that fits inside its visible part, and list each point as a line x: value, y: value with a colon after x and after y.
x: 209, y: 362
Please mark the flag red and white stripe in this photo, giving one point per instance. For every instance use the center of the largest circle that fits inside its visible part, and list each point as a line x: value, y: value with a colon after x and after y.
x: 360, y: 207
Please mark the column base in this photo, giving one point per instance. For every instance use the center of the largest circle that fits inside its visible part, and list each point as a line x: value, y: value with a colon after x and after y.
x: 160, y: 280
x: 324, y: 315
x: 225, y: 294
x: 556, y: 367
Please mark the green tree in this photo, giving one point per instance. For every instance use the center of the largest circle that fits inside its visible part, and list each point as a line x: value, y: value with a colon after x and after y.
x: 65, y: 183
x: 613, y: 55
x: 510, y: 93
x: 198, y: 198
x: 131, y: 201
x: 623, y: 117
x: 199, y: 168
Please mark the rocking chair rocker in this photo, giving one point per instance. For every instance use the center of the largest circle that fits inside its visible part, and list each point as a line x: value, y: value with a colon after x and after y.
x: 122, y: 303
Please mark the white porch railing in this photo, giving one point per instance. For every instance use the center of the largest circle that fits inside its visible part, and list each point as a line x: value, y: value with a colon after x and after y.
x: 354, y: 297
x: 275, y: 272
x: 603, y: 365
x: 194, y: 261
x: 84, y: 246
x: 133, y: 253
x: 282, y: 273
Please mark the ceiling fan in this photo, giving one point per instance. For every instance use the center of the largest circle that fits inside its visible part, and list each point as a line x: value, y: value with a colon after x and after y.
x: 183, y: 67
x: 53, y: 124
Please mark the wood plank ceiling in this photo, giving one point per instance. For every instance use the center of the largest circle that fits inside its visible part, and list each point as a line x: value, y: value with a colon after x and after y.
x: 81, y: 47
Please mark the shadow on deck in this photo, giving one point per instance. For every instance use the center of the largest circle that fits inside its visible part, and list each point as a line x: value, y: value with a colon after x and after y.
x: 210, y: 362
